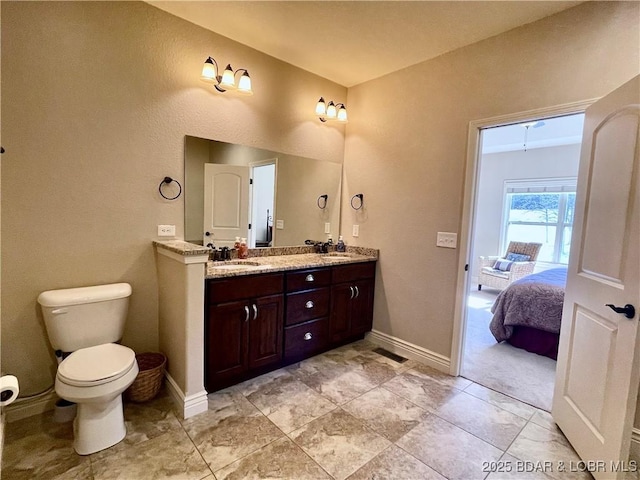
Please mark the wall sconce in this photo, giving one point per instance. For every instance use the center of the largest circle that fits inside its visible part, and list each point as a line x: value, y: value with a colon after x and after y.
x: 331, y: 111
x: 226, y: 81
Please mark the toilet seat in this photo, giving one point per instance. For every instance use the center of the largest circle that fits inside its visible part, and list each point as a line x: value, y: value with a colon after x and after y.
x: 96, y: 365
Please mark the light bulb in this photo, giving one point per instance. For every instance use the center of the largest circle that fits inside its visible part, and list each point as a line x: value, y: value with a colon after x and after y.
x: 228, y: 81
x: 244, y: 84
x: 209, y: 71
x: 321, y: 108
x: 342, y: 114
x: 331, y: 111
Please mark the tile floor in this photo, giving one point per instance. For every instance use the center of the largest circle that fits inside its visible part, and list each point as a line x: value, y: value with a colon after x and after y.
x: 349, y: 413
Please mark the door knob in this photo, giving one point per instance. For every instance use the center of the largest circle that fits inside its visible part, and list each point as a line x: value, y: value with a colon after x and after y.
x: 208, y: 234
x: 628, y: 310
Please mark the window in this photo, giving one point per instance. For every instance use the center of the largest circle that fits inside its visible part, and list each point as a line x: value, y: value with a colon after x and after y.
x: 541, y: 211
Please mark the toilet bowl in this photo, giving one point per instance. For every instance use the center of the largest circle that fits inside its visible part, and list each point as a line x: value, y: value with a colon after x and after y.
x: 94, y: 378
x: 85, y: 322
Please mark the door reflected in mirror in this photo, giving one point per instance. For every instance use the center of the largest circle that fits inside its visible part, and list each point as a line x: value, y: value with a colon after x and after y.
x: 270, y: 198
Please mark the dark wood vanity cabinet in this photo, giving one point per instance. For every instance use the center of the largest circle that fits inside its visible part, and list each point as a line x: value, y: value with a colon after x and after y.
x: 243, y: 330
x: 351, y: 301
x: 307, y: 319
x: 257, y: 323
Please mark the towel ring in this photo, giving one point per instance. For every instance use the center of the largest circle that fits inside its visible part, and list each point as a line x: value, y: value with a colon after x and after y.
x: 361, y: 197
x: 168, y: 180
x: 322, y: 201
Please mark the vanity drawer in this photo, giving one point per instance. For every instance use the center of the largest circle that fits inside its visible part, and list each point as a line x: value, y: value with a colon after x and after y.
x: 307, y: 279
x: 251, y: 286
x: 307, y: 305
x: 306, y: 339
x: 356, y: 271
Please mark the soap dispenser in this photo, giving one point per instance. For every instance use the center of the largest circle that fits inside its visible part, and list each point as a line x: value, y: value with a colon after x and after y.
x: 340, y: 246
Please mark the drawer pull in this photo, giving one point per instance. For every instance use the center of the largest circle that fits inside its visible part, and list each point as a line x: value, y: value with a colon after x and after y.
x: 308, y: 336
x: 357, y: 291
x: 353, y: 292
x: 255, y: 311
x: 309, y: 278
x: 246, y: 311
x: 309, y: 304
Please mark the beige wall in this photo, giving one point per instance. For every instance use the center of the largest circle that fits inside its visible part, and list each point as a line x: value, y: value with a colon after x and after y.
x: 97, y: 99
x: 407, y: 138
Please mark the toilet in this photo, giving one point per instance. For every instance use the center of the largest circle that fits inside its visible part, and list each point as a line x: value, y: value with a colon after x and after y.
x: 84, y: 323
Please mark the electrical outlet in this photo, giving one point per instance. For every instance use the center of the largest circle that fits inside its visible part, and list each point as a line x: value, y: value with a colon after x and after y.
x: 279, y: 224
x: 447, y: 240
x: 327, y: 228
x: 356, y: 231
x: 166, y: 230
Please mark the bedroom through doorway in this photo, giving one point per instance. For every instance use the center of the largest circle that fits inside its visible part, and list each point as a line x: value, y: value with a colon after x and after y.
x: 525, y: 199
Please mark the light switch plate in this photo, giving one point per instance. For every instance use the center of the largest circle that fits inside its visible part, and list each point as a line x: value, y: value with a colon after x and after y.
x: 327, y: 227
x: 447, y: 240
x: 166, y: 230
x: 279, y: 224
x: 356, y: 230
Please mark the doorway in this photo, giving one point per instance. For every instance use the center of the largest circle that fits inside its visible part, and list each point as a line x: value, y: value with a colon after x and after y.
x: 524, y: 191
x: 263, y: 199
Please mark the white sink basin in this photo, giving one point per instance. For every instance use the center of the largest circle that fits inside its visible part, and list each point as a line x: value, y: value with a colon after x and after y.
x: 235, y: 266
x: 238, y: 265
x: 335, y: 257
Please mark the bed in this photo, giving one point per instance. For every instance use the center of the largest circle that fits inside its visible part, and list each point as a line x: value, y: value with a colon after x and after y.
x: 527, y: 313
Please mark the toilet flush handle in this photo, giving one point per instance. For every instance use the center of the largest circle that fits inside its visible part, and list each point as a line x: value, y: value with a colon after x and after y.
x: 59, y: 311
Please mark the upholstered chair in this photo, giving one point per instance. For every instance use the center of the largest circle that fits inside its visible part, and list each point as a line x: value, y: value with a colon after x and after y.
x: 517, y: 262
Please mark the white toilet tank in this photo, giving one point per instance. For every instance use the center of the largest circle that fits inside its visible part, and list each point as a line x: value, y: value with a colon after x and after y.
x: 84, y: 317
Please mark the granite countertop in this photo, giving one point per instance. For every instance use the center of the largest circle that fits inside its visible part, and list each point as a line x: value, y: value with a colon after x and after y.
x: 280, y: 263
x: 274, y: 259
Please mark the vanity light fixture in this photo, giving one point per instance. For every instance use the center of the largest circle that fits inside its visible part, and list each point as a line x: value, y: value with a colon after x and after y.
x: 226, y: 81
x: 331, y: 111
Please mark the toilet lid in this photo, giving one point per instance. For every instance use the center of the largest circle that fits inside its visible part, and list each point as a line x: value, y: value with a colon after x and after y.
x: 96, y: 365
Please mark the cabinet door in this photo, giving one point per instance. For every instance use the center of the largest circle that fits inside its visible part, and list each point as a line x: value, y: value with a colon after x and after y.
x: 362, y: 307
x: 226, y: 341
x: 340, y: 320
x: 265, y: 331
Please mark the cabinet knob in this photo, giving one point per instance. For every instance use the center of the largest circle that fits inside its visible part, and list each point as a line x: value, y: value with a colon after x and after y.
x: 309, y: 278
x: 309, y: 304
x: 308, y: 336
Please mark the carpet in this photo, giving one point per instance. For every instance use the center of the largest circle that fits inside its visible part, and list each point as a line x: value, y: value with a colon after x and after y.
x: 525, y: 376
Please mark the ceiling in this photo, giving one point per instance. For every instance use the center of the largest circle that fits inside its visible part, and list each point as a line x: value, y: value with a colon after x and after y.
x: 350, y: 42
x: 549, y: 132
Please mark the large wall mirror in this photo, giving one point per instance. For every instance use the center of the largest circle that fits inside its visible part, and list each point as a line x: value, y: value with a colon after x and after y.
x: 285, y: 198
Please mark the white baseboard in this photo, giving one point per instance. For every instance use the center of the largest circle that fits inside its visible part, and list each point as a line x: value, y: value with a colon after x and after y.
x: 188, y: 405
x: 30, y: 406
x: 410, y: 350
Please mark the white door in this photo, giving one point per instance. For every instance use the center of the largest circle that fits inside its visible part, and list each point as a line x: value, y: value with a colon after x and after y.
x: 226, y: 204
x: 598, y: 362
x: 262, y: 203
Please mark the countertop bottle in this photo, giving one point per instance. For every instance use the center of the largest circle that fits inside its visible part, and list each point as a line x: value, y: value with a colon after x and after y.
x: 340, y: 246
x: 243, y: 250
x: 236, y: 245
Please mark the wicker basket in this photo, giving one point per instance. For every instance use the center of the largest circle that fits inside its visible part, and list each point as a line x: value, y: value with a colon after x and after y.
x: 149, y: 380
